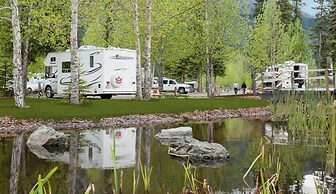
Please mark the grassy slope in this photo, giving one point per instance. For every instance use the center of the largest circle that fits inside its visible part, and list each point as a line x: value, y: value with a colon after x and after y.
x: 95, y: 109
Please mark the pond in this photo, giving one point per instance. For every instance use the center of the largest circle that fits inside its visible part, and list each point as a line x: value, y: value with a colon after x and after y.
x: 242, y: 139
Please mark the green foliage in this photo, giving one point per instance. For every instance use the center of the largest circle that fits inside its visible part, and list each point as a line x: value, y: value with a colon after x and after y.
x: 39, y: 187
x: 82, y: 89
x: 145, y: 175
x: 265, y: 37
x: 293, y: 45
x: 115, y: 171
x: 297, y: 14
x: 191, y: 184
x: 286, y: 11
x: 320, y: 34
x: 305, y: 114
x: 96, y: 109
x: 258, y: 8
x: 268, y: 170
x: 332, y: 30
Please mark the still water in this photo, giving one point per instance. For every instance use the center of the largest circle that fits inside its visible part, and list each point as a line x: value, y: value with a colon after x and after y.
x: 240, y: 137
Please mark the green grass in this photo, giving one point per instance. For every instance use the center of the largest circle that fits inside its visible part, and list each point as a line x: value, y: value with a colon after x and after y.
x: 57, y: 109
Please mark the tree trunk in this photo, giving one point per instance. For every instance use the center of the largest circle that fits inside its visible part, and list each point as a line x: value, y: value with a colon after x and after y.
x: 200, y: 82
x: 146, y: 154
x: 208, y: 64
x: 17, y: 58
x: 73, y: 158
x: 254, y: 85
x: 74, y: 91
x: 160, y: 66
x: 138, y: 50
x: 25, y: 56
x: 148, y: 77
x: 15, y: 164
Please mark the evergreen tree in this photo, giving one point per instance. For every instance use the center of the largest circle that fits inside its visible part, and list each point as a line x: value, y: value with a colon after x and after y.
x: 286, y: 11
x: 320, y: 34
x: 332, y: 29
x: 297, y: 14
x: 258, y: 7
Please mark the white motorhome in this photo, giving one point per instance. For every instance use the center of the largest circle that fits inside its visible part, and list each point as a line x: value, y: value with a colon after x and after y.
x: 105, y: 71
x: 281, y: 75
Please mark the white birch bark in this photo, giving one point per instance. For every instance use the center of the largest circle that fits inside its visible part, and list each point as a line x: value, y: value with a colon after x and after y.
x: 138, y: 50
x: 208, y: 64
x: 74, y: 90
x: 25, y: 55
x: 17, y: 57
x: 147, y: 69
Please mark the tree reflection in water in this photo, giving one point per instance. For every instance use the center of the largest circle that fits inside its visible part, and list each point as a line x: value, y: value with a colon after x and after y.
x: 15, y: 164
x: 137, y: 156
x: 73, y: 163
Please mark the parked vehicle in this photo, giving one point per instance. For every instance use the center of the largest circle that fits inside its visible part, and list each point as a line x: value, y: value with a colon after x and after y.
x: 280, y: 75
x: 171, y: 85
x: 105, y: 71
x: 193, y: 85
x: 35, y: 83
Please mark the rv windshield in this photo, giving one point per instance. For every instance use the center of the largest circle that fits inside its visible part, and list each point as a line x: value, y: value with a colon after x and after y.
x: 51, y: 75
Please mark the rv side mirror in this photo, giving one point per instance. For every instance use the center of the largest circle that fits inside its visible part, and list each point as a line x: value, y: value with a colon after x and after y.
x: 46, y: 75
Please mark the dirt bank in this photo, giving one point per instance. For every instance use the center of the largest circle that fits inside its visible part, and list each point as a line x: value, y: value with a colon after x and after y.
x: 11, y: 127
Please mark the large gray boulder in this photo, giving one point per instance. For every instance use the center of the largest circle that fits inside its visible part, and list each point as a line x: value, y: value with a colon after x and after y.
x: 173, y: 135
x: 186, y: 148
x: 48, y: 138
x: 199, y: 153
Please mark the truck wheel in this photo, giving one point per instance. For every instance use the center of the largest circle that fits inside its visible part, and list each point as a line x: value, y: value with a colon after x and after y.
x: 106, y: 96
x: 181, y: 91
x: 49, y: 92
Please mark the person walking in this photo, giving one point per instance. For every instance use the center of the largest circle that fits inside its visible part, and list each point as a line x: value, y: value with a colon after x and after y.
x: 235, y: 87
x: 243, y: 87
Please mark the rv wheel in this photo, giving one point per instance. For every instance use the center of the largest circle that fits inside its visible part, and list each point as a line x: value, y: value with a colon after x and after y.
x: 49, y: 93
x: 29, y: 91
x: 106, y: 96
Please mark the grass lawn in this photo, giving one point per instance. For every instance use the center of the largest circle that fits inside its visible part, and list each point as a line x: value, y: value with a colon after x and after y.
x: 58, y: 109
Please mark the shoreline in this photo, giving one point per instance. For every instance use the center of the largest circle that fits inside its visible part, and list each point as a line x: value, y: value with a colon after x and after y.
x: 13, y: 127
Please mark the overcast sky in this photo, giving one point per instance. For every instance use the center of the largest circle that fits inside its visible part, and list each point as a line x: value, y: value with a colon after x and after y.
x: 308, y: 7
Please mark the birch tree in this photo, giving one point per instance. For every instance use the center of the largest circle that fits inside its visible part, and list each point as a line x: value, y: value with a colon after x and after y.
x: 137, y: 48
x: 19, y: 92
x: 209, y: 66
x: 74, y: 90
x: 147, y: 65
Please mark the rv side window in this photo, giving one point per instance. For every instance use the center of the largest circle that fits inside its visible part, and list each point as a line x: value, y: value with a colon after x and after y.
x: 66, y: 67
x: 91, y: 61
x: 52, y: 60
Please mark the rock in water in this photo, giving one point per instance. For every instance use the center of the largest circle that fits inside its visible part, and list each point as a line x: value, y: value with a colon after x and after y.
x: 199, y: 153
x: 47, y: 137
x: 173, y: 135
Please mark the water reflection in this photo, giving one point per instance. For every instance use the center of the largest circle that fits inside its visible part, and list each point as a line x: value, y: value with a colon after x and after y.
x: 16, y: 163
x: 89, y: 160
x: 73, y: 158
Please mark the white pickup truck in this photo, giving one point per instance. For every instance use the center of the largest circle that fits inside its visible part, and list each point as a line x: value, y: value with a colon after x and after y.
x: 171, y: 85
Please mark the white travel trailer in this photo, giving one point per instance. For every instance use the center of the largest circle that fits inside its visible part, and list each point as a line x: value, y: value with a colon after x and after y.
x: 105, y: 71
